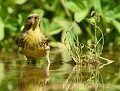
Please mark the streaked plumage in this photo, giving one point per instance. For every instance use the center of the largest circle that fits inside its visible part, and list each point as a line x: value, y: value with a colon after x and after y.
x: 33, y: 42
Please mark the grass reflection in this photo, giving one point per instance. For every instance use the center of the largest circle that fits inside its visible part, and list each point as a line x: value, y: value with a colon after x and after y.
x: 84, y: 78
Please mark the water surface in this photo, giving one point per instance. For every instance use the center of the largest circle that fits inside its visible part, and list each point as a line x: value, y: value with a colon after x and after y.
x: 60, y: 75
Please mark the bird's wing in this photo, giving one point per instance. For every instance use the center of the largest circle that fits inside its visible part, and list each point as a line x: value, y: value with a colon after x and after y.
x: 44, y: 38
x: 21, y: 40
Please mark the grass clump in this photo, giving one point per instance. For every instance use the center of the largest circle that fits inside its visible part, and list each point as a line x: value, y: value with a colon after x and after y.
x: 87, y: 75
x: 85, y: 53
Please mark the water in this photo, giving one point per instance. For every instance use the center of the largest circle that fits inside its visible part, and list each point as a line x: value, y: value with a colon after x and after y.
x: 17, y: 75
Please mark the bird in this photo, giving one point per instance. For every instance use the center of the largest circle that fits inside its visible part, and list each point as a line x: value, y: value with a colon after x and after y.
x: 32, y: 40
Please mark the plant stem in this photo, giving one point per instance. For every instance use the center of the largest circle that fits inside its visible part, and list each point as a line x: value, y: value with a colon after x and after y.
x: 95, y: 42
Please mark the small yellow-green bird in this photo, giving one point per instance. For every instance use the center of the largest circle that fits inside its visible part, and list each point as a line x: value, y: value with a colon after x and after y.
x: 34, y: 43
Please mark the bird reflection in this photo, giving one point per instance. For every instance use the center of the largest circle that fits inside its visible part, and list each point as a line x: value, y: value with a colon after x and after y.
x: 34, y: 78
x: 84, y: 79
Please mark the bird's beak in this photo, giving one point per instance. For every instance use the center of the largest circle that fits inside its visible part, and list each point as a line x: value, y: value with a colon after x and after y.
x: 36, y: 21
x: 36, y: 18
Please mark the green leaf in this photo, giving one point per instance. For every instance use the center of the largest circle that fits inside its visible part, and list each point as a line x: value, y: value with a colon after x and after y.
x: 81, y: 3
x: 79, y: 16
x: 40, y: 12
x: 90, y: 3
x: 1, y: 29
x: 116, y: 24
x: 117, y: 16
x: 51, y: 4
x: 44, y: 24
x: 3, y: 12
x: 20, y: 1
x: 63, y: 22
x: 72, y: 6
x: 117, y: 12
x: 11, y: 27
x: 117, y: 39
x: 117, y: 9
x: 54, y: 29
x: 97, y: 6
x: 77, y: 29
x: 109, y: 14
x: 20, y: 19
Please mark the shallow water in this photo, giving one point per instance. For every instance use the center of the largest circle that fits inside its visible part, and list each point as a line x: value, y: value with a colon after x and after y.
x: 17, y: 75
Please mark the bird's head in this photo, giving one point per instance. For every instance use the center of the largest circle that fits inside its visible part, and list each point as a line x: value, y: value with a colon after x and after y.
x: 32, y: 21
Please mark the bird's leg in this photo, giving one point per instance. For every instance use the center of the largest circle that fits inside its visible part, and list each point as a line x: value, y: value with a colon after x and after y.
x: 48, y: 59
x: 47, y: 72
x: 47, y: 56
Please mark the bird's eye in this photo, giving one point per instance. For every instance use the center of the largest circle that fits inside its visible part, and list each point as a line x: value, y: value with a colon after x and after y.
x: 29, y: 17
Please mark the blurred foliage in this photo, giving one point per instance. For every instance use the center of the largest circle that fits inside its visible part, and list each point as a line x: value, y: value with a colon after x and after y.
x: 56, y: 18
